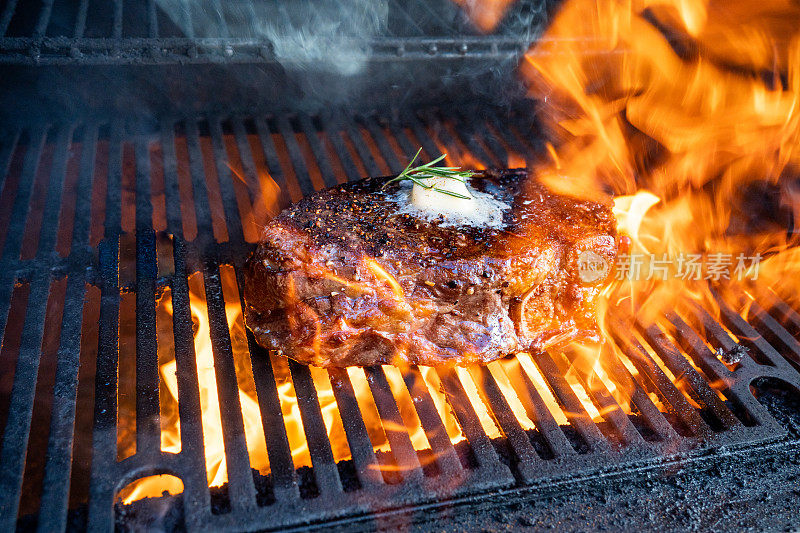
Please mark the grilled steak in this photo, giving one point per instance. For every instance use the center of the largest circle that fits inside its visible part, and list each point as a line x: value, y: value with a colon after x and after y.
x: 342, y: 278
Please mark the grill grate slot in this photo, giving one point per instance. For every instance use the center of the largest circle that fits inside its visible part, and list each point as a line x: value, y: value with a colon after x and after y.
x: 569, y: 402
x: 776, y: 333
x: 657, y: 381
x: 393, y: 425
x: 607, y: 406
x: 537, y: 410
x: 435, y: 431
x: 325, y: 471
x: 527, y: 459
x: 481, y: 446
x: 693, y: 382
x: 224, y: 176
x: 357, y: 437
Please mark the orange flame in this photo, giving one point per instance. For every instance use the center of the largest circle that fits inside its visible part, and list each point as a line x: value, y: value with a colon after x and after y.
x: 689, y: 113
x: 688, y: 108
x: 485, y: 14
x: 377, y: 428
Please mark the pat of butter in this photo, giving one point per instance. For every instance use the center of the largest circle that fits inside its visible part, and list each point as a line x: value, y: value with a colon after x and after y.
x: 434, y: 200
x: 479, y: 210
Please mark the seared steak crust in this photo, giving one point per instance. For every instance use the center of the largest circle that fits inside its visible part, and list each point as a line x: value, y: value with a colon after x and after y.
x: 342, y: 279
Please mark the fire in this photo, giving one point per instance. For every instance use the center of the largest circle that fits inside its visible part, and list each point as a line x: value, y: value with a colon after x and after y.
x: 689, y: 113
x: 377, y: 429
x: 485, y: 14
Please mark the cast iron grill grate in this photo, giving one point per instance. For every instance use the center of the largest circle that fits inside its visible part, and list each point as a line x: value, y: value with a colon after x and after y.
x: 98, y: 220
x: 208, y: 31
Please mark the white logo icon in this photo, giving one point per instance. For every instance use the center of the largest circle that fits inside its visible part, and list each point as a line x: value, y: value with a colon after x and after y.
x: 592, y: 266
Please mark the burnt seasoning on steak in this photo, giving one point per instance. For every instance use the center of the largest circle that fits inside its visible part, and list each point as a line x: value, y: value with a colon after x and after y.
x: 342, y: 278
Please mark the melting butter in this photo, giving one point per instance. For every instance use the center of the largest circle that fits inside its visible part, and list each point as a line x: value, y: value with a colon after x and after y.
x: 479, y: 210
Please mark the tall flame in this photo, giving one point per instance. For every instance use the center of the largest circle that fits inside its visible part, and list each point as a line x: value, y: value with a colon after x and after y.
x: 689, y: 110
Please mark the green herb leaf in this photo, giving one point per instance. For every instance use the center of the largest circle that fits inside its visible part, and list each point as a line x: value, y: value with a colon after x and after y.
x: 428, y: 170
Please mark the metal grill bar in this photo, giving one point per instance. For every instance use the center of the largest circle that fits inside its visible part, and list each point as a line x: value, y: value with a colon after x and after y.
x: 202, y: 210
x: 55, y: 487
x: 688, y: 376
x: 422, y: 135
x: 445, y: 454
x: 280, y: 455
x: 241, y: 489
x: 500, y: 126
x: 393, y: 426
x: 778, y: 334
x: 657, y: 380
x: 117, y: 26
x: 284, y: 478
x: 320, y: 155
x: 152, y: 20
x: 148, y: 423
x: 194, y: 473
x: 44, y: 18
x: 80, y: 19
x: 233, y: 222
x: 335, y: 136
x: 468, y: 138
x: 186, y: 12
x: 474, y: 131
x: 711, y: 329
x: 538, y: 412
x: 653, y: 417
x: 784, y: 313
x: 7, y: 146
x: 18, y: 423
x: 706, y: 360
x: 13, y: 241
x: 480, y: 444
x: 573, y: 409
x: 271, y: 156
x: 319, y: 447
x: 383, y: 145
x: 608, y: 407
x: 369, y: 473
x: 171, y: 187
x: 363, y: 152
x: 254, y: 190
x: 528, y: 461
x: 298, y: 164
x: 5, y: 19
x: 750, y: 336
x: 396, y: 130
x: 104, y: 436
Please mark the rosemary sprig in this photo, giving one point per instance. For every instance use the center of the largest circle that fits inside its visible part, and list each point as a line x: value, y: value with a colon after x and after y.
x: 428, y: 170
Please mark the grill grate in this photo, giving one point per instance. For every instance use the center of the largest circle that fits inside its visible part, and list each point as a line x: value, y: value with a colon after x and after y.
x: 213, y: 32
x: 194, y: 209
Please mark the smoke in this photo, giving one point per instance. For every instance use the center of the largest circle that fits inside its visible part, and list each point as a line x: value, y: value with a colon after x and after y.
x: 323, y: 35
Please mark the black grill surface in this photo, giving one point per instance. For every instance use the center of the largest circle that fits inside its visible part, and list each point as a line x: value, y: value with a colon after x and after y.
x: 94, y: 229
x: 75, y: 58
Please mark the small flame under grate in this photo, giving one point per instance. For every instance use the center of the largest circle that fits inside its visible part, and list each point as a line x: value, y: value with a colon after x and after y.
x: 125, y: 357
